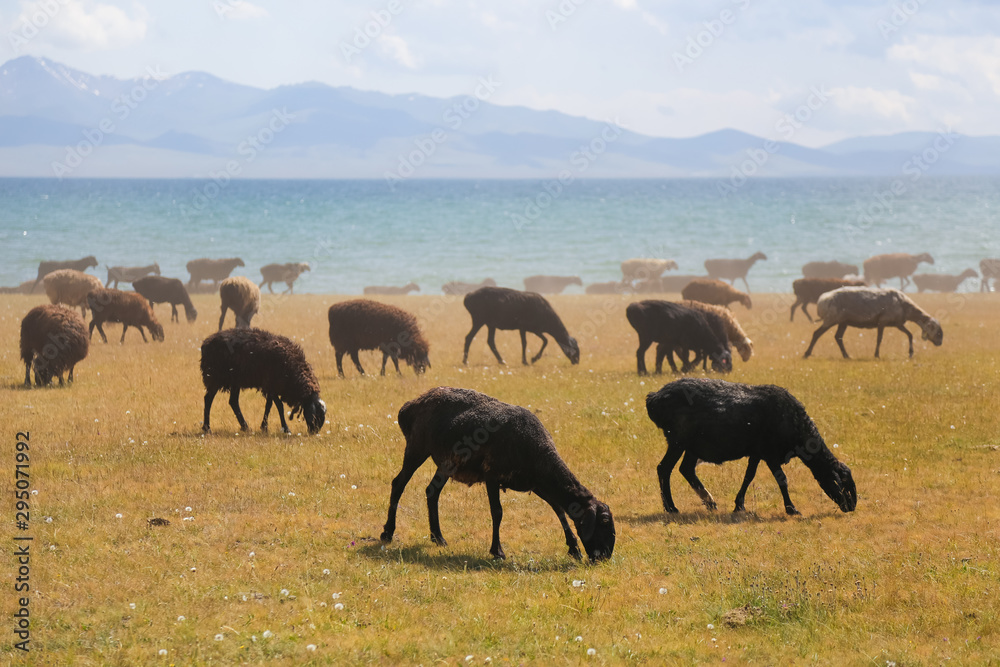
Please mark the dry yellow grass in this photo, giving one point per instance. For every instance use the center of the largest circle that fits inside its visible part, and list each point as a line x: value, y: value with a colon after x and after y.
x: 279, y: 525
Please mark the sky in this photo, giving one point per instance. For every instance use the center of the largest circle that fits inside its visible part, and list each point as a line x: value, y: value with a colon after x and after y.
x: 662, y: 68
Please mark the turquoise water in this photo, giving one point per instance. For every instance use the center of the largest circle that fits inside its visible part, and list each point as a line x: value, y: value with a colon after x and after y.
x: 357, y: 233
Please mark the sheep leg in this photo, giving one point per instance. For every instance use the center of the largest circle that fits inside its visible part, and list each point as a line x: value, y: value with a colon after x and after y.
x: 747, y: 478
x: 663, y: 350
x: 663, y: 471
x: 640, y: 356
x: 744, y: 278
x: 687, y: 469
x: 281, y: 414
x: 794, y: 306
x: 357, y: 362
x: 234, y: 403
x: 433, y: 493
x: 27, y: 374
x: 545, y: 342
x: 839, y: 337
x: 222, y: 318
x: 524, y: 348
x: 908, y: 335
x: 411, y: 462
x: 209, y: 397
x: 491, y: 340
x: 100, y: 330
x: 816, y: 334
x: 496, y: 511
x: 385, y: 358
x: 779, y: 477
x: 70, y: 378
x: 340, y: 362
x: 468, y: 340
x: 267, y: 411
x: 878, y: 340
x: 174, y: 317
x: 574, y: 546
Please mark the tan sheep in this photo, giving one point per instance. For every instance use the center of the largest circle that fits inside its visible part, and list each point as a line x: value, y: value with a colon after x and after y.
x: 611, y: 287
x: 282, y: 273
x: 70, y: 288
x: 211, y: 269
x: 550, y: 284
x: 731, y: 269
x: 831, y: 269
x: 941, y: 282
x: 714, y: 292
x: 646, y: 269
x: 734, y: 332
x: 665, y: 284
x: 457, y: 288
x: 129, y: 274
x: 990, y: 268
x: 241, y: 296
x: 809, y: 290
x: 900, y: 265
x: 392, y: 291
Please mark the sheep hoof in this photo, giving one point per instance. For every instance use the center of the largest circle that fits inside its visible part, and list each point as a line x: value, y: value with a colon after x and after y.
x: 671, y: 510
x: 385, y: 537
x: 791, y: 511
x: 740, y: 510
x: 574, y: 551
x: 439, y: 540
x: 499, y: 555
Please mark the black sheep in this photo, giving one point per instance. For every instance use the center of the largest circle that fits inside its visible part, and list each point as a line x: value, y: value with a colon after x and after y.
x: 158, y: 289
x: 716, y: 421
x: 363, y: 324
x: 54, y: 339
x: 475, y: 438
x: 237, y: 359
x: 677, y: 328
x: 509, y: 309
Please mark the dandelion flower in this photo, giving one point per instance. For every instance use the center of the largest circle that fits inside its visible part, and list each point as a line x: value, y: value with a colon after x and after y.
x: 34, y: 492
x: 326, y: 571
x: 219, y: 637
x: 180, y: 619
x: 663, y: 591
x: 252, y: 554
x: 118, y: 516
x: 469, y: 658
x: 578, y: 582
x: 339, y: 606
x: 187, y: 509
x: 267, y: 634
x: 131, y: 605
x: 711, y: 627
x: 311, y: 647
x: 335, y: 595
x: 579, y: 638
x: 591, y: 651
x: 284, y: 591
x: 163, y: 651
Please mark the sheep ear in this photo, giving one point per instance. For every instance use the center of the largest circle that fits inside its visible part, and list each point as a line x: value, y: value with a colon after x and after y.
x: 588, y: 524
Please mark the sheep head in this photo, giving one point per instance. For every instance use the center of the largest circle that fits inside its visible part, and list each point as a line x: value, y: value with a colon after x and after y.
x: 420, y: 363
x: 837, y: 482
x: 190, y: 314
x: 596, y: 529
x: 313, y: 412
x: 572, y: 350
x: 924, y: 257
x: 722, y: 362
x: 156, y: 268
x: 932, y: 331
x: 744, y: 299
x: 156, y: 330
x: 745, y: 348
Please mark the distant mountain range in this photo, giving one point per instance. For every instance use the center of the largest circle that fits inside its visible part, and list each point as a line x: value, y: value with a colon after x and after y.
x: 56, y: 121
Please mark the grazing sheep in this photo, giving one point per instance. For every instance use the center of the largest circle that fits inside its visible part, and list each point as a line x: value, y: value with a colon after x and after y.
x: 717, y: 421
x: 833, y: 269
x: 611, y: 287
x: 731, y: 269
x: 53, y: 339
x: 990, y: 268
x: 215, y: 270
x: 23, y: 288
x: 871, y: 308
x: 241, y: 296
x: 392, y: 291
x: 550, y: 284
x: 734, y: 332
x: 509, y: 309
x: 665, y: 284
x: 645, y: 269
x: 129, y: 308
x: 47, y: 267
x: 158, y: 289
x: 900, y: 265
x: 129, y: 274
x: 714, y: 292
x: 677, y: 328
x: 363, y: 324
x: 282, y: 273
x: 237, y: 359
x: 456, y: 288
x: 941, y: 282
x: 809, y: 290
x: 71, y: 287
x: 474, y: 438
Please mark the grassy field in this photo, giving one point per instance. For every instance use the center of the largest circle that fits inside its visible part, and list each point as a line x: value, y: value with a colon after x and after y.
x: 270, y: 554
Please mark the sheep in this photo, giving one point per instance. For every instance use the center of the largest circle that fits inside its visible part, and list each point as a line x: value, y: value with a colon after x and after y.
x: 129, y: 308
x: 645, y: 269
x: 129, y: 274
x: 363, y: 324
x: 871, y: 308
x: 734, y: 332
x: 674, y: 327
x: 241, y: 296
x: 286, y: 273
x: 70, y: 287
x: 215, y: 270
x: 990, y: 268
x: 550, y: 284
x: 832, y: 269
x: 508, y: 309
x: 611, y: 287
x: 940, y: 282
x: 716, y: 421
x: 474, y: 438
x: 456, y: 288
x: 53, y: 340
x: 900, y: 265
x: 665, y: 284
x: 809, y: 290
x: 714, y: 292
x: 391, y: 291
x: 158, y: 289
x: 731, y: 269
x: 23, y: 288
x: 237, y: 359
x: 47, y: 267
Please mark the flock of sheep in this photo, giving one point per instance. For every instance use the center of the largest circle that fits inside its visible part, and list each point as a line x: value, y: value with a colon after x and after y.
x: 475, y: 438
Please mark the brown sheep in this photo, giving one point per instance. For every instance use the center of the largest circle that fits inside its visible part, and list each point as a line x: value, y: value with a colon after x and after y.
x: 832, y: 269
x: 70, y: 288
x: 129, y: 274
x: 734, y: 332
x: 238, y: 359
x: 550, y: 284
x: 990, y: 268
x: 158, y: 289
x: 714, y: 292
x: 47, y: 267
x: 23, y: 288
x: 940, y: 282
x: 665, y: 284
x: 363, y: 324
x: 241, y: 296
x: 731, y: 269
x: 611, y: 287
x: 509, y: 309
x: 645, y: 269
x: 215, y: 270
x: 900, y: 265
x: 456, y: 288
x: 392, y: 291
x: 129, y: 308
x: 809, y: 290
x: 285, y: 273
x: 53, y: 339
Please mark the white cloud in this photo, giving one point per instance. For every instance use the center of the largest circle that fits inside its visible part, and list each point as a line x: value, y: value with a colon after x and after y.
x: 81, y: 25
x: 888, y: 104
x: 396, y: 48
x: 240, y: 10
x: 626, y: 4
x: 975, y: 60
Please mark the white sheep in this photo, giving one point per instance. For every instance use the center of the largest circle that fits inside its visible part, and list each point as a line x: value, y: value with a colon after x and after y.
x: 71, y: 287
x: 645, y: 269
